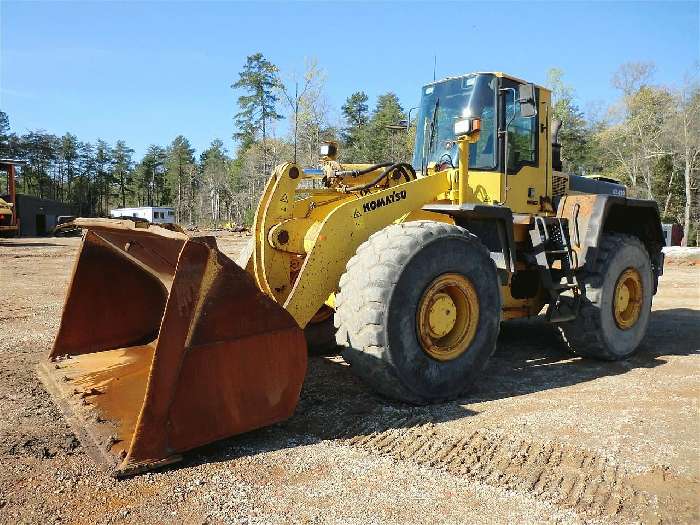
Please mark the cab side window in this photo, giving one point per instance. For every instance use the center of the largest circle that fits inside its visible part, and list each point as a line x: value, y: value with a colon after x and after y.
x: 522, y: 136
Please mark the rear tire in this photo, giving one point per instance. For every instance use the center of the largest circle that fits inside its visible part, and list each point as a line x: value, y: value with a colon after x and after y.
x: 379, y: 306
x: 600, y: 331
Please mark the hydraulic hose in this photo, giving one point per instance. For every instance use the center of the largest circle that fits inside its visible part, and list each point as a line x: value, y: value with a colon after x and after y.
x: 357, y: 173
x: 404, y: 167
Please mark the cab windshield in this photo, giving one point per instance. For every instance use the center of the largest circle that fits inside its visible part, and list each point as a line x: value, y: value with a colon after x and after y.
x: 441, y: 105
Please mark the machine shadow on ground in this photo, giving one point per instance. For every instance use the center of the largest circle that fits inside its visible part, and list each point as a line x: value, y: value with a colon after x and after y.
x: 530, y: 358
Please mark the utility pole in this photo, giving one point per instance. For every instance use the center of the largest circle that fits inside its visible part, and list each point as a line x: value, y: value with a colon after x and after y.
x: 296, y: 118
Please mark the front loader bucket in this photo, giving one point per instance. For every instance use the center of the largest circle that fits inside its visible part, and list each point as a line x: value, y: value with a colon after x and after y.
x: 165, y: 344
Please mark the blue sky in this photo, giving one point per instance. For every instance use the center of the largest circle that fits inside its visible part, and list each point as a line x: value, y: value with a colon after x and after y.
x: 148, y: 71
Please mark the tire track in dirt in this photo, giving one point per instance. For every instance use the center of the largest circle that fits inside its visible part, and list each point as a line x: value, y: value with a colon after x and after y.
x: 592, y: 482
x: 563, y: 474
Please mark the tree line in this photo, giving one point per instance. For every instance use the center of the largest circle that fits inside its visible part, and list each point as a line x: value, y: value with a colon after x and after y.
x: 648, y: 138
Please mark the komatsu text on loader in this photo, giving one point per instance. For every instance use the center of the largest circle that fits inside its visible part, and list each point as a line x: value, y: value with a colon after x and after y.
x: 166, y: 344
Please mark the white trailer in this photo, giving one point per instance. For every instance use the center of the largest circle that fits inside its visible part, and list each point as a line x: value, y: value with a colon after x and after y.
x: 154, y: 214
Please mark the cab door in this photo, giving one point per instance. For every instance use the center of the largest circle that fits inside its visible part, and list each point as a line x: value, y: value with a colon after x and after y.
x: 527, y: 150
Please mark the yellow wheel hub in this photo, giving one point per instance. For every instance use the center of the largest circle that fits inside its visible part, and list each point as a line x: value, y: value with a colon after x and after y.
x: 627, y: 301
x: 448, y: 314
x: 442, y: 315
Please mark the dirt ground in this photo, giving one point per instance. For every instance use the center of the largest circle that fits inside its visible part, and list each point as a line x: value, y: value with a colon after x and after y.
x: 545, y: 437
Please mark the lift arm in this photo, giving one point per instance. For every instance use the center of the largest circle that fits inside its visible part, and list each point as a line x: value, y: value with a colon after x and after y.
x: 331, y: 241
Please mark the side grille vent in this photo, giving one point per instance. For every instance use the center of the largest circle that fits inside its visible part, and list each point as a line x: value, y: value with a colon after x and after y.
x: 560, y: 184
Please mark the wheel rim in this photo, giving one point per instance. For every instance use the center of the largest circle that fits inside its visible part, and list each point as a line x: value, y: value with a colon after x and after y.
x: 448, y: 314
x: 627, y: 300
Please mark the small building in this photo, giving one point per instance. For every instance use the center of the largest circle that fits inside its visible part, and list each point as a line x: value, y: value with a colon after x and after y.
x: 673, y: 234
x: 154, y: 214
x: 36, y: 216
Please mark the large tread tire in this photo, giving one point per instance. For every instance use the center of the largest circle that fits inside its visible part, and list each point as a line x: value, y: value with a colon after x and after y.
x: 594, y: 332
x: 378, y: 300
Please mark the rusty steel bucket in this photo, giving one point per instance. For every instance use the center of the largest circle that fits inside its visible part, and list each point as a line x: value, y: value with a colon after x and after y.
x: 165, y: 344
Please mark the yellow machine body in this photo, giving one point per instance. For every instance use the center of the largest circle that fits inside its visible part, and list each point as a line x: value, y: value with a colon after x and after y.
x: 220, y: 344
x: 304, y: 237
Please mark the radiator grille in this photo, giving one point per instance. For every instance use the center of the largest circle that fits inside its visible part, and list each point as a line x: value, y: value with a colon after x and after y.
x: 559, y: 185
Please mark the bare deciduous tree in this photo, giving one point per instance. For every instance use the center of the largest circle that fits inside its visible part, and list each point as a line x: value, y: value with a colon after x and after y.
x: 308, y: 112
x: 634, y: 137
x: 683, y: 135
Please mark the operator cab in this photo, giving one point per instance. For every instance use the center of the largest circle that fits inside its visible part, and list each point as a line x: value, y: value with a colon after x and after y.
x: 444, y: 102
x: 476, y: 95
x: 498, y: 106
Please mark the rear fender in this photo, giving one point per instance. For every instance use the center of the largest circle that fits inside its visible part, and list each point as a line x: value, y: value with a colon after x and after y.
x: 590, y: 216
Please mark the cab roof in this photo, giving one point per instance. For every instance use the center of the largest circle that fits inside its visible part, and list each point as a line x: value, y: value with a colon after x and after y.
x: 498, y: 74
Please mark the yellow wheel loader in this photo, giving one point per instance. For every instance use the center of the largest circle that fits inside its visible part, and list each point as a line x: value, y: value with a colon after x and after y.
x: 9, y: 222
x: 165, y: 344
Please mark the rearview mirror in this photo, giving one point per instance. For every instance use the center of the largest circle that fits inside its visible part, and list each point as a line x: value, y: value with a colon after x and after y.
x: 526, y: 98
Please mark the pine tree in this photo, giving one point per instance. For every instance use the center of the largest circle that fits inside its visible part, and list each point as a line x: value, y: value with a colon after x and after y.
x: 82, y: 197
x: 216, y: 179
x: 355, y: 109
x: 180, y: 160
x: 5, y: 150
x: 355, y: 134
x: 122, y: 170
x: 41, y: 151
x: 258, y: 108
x: 68, y: 164
x: 150, y: 181
x: 385, y: 144
x: 104, y: 176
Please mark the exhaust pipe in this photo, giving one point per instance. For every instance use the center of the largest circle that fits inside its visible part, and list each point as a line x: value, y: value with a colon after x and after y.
x: 556, y: 147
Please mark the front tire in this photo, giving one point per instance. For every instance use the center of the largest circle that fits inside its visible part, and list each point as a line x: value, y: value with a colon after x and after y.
x: 616, y: 303
x: 418, y: 312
